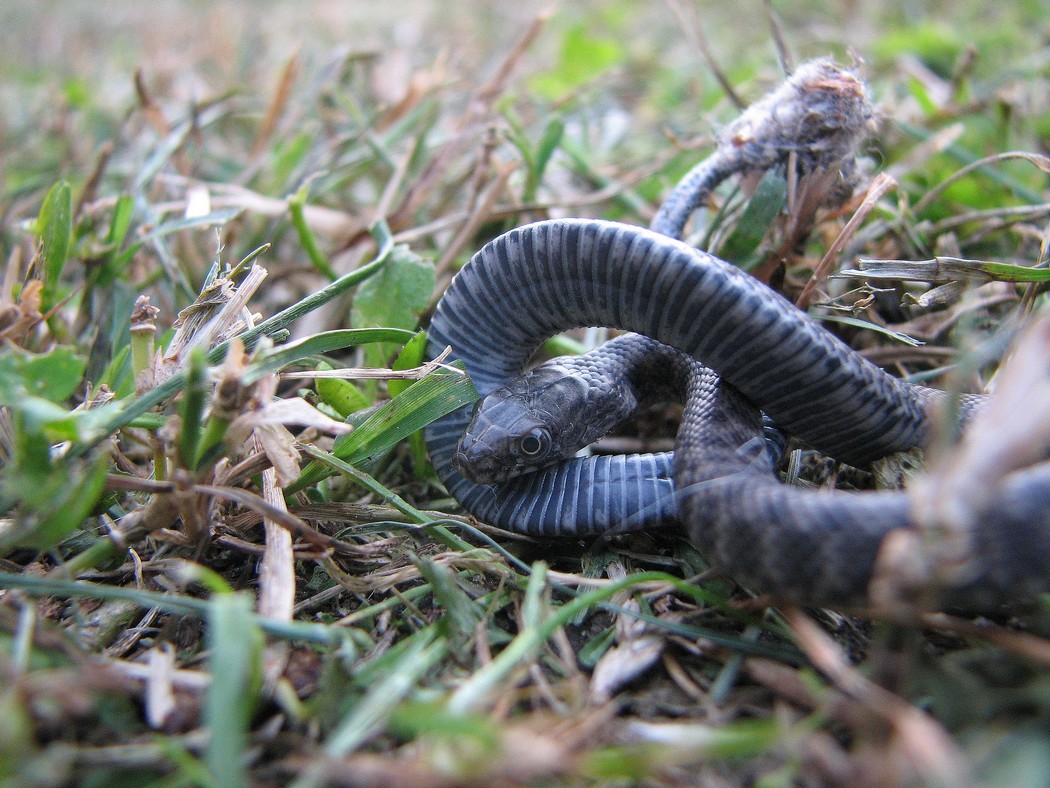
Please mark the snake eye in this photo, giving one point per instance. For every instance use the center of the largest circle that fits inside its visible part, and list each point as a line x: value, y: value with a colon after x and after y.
x: 534, y: 443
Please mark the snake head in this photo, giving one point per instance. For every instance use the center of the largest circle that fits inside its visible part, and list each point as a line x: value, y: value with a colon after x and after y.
x: 541, y: 418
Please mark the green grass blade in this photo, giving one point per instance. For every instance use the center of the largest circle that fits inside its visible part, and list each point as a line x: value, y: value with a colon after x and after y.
x: 423, y: 651
x: 191, y: 408
x: 866, y: 324
x: 428, y: 399
x: 234, y: 643
x: 306, y: 236
x: 400, y: 673
x: 297, y: 631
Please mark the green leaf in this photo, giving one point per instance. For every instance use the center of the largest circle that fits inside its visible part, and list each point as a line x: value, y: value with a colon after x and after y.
x: 53, y: 376
x: 340, y: 395
x: 552, y: 135
x: 287, y: 155
x: 45, y: 420
x: 65, y: 500
x: 921, y: 94
x: 393, y: 684
x: 191, y: 408
x: 583, y: 57
x: 119, y: 226
x: 296, y: 206
x: 535, y: 160
x: 858, y: 323
x: 462, y: 614
x: 55, y: 229
x: 767, y: 201
x: 412, y: 355
x: 116, y: 374
x: 394, y: 297
x: 412, y: 720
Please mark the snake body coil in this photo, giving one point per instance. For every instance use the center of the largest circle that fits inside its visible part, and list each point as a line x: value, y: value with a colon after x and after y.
x: 812, y: 547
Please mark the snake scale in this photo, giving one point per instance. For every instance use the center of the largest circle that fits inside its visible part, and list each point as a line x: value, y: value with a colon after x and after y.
x: 815, y: 547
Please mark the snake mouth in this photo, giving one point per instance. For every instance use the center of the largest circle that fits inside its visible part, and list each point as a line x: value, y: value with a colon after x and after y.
x: 482, y: 473
x: 478, y: 465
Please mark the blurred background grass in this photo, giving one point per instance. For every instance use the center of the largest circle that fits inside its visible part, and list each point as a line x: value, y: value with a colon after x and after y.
x: 70, y: 62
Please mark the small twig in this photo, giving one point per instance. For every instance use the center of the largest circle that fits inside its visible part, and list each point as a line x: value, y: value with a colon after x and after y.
x: 776, y: 31
x: 478, y: 216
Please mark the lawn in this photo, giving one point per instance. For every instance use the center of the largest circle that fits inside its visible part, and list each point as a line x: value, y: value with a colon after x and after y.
x: 207, y: 578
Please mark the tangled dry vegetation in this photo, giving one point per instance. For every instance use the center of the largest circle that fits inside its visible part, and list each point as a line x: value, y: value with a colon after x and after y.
x: 180, y: 604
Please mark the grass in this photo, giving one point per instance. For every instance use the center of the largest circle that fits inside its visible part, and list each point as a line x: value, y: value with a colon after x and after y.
x: 168, y: 616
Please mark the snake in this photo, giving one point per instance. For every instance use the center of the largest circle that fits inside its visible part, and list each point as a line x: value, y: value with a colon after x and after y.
x: 758, y: 354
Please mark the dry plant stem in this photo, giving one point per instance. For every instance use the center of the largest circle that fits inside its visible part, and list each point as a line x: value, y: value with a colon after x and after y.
x: 635, y: 650
x: 889, y: 355
x: 1004, y: 216
x: 87, y: 195
x: 386, y: 199
x: 776, y: 30
x: 882, y: 184
x: 277, y: 572
x: 207, y: 321
x: 1023, y: 644
x: 321, y: 220
x: 301, y: 553
x: 930, y: 751
x: 160, y: 695
x: 160, y: 513
x: 153, y: 114
x: 193, y: 680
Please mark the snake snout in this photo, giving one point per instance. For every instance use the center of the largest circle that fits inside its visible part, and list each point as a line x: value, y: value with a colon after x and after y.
x: 477, y: 463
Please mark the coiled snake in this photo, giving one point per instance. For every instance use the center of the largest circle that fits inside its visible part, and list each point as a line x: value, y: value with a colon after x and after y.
x: 808, y: 546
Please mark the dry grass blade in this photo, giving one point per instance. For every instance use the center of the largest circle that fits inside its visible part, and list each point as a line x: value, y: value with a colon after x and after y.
x: 277, y: 105
x: 882, y: 184
x: 277, y: 571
